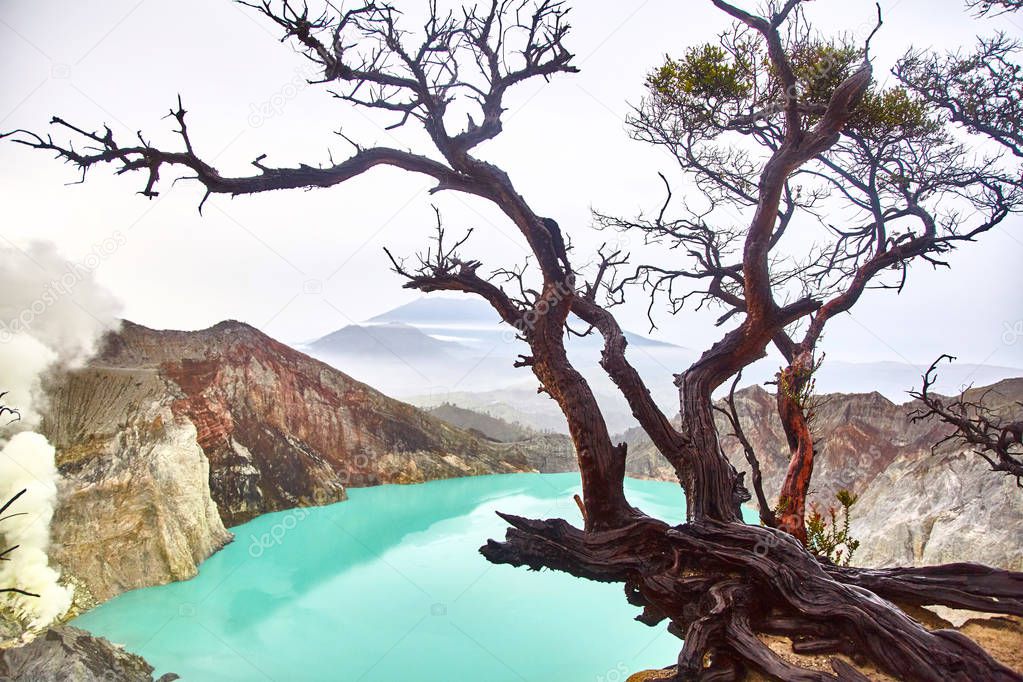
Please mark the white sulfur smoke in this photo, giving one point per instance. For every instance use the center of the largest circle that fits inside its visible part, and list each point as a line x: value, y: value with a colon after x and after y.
x: 52, y: 315
x: 26, y: 463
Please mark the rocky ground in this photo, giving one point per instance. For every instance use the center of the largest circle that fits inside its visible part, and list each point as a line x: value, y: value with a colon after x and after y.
x: 1001, y: 637
x: 67, y: 654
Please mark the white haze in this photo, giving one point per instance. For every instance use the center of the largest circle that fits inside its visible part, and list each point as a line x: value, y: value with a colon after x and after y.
x: 52, y: 315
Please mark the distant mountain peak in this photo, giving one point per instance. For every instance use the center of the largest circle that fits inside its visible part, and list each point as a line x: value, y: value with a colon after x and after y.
x: 441, y: 310
x: 390, y: 337
x: 475, y: 313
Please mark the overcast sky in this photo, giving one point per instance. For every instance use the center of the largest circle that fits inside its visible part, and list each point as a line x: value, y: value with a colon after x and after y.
x: 300, y: 264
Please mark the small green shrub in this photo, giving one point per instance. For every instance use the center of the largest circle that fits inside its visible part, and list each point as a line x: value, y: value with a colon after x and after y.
x: 828, y: 532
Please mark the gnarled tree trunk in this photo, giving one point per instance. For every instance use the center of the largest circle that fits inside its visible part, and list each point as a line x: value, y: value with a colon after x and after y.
x: 794, y: 414
x: 722, y: 585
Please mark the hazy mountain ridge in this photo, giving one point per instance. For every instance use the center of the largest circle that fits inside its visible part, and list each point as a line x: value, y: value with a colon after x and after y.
x: 523, y: 405
x: 472, y: 314
x: 493, y: 428
x: 472, y: 365
x: 395, y: 339
x: 476, y: 354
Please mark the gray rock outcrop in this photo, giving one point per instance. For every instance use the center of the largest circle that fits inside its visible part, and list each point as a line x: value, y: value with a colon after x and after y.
x: 67, y: 654
x: 941, y: 509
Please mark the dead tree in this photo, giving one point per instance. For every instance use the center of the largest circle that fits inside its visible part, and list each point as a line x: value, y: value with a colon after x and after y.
x: 731, y: 414
x: 995, y: 434
x: 718, y: 581
x: 4, y: 553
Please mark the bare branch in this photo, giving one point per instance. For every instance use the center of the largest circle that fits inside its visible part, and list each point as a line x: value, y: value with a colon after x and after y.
x: 443, y: 269
x: 997, y: 438
x: 731, y: 413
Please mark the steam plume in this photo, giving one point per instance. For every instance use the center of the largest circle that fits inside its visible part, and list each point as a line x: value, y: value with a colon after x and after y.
x: 52, y: 315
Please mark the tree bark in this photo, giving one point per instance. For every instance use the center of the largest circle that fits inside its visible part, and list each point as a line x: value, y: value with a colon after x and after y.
x: 794, y: 414
x: 601, y: 463
x: 713, y: 487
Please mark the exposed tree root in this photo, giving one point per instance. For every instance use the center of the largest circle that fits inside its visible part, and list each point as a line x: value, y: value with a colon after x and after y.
x: 974, y: 587
x: 720, y: 585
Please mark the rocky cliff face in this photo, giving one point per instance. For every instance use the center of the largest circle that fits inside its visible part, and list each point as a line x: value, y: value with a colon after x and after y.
x: 859, y: 435
x: 134, y: 501
x: 916, y: 506
x: 168, y: 437
x: 940, y: 509
x: 67, y: 653
x: 282, y: 430
x: 931, y: 508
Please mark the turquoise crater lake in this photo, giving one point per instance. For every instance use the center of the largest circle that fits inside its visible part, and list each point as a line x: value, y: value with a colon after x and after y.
x: 389, y: 586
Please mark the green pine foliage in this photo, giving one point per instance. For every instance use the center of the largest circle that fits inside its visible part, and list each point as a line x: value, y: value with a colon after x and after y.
x: 720, y: 82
